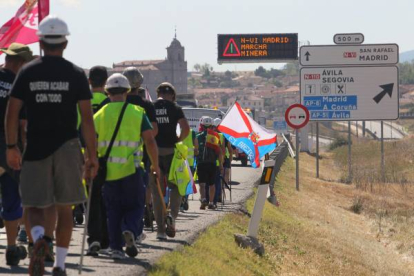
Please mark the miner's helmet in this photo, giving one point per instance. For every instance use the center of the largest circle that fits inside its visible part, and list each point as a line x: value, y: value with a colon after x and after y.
x: 134, y: 77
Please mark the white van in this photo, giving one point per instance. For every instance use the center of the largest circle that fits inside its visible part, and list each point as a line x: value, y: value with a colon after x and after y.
x: 193, y: 115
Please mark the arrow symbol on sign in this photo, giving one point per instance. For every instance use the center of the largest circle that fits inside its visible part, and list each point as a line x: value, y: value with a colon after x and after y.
x: 307, y: 56
x: 387, y: 89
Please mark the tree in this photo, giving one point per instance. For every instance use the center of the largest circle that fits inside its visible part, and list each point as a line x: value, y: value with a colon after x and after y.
x: 197, y: 67
x: 260, y: 71
x: 227, y: 74
x: 407, y: 72
x: 291, y: 69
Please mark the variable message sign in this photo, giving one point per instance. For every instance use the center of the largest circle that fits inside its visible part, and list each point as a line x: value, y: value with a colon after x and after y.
x: 374, y: 54
x: 257, y: 47
x: 350, y: 93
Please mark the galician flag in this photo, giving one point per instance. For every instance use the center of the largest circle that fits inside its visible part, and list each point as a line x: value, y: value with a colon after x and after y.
x: 23, y: 26
x: 247, y: 135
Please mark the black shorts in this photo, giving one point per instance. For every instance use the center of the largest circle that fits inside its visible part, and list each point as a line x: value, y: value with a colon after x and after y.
x: 206, y: 173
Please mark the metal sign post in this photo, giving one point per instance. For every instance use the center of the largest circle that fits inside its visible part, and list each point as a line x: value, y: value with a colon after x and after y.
x: 297, y: 159
x: 349, y: 153
x: 382, y: 152
x: 297, y: 116
x: 260, y: 199
x: 317, y: 149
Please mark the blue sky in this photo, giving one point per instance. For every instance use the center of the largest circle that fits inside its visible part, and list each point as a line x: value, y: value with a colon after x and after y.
x: 104, y: 32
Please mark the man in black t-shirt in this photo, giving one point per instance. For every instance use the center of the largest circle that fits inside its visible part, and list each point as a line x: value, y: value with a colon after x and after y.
x: 16, y: 56
x: 168, y: 115
x: 51, y: 88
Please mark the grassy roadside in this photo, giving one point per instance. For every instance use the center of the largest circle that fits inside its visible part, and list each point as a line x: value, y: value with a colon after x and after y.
x: 313, y: 232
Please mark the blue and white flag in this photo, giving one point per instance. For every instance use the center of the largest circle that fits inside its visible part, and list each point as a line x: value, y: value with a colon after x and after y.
x: 247, y: 135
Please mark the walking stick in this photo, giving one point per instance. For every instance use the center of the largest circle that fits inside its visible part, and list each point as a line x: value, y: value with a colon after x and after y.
x: 88, y: 205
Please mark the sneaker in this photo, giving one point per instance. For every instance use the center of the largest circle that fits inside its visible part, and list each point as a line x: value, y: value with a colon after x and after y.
x: 204, y: 204
x: 15, y: 254
x: 141, y: 238
x: 131, y: 248
x: 93, y: 249
x: 161, y: 236
x: 57, y: 271
x: 50, y: 256
x: 170, y: 231
x: 37, y: 262
x: 105, y: 251
x: 212, y: 206
x: 22, y: 237
x: 118, y: 255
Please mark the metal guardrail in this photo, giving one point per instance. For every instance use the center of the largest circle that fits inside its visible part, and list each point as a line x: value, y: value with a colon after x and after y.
x: 279, y: 155
x: 291, y: 151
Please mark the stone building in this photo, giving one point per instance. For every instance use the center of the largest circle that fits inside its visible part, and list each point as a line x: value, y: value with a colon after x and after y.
x: 172, y: 69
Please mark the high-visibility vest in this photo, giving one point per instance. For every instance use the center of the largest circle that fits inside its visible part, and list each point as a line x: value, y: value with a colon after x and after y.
x: 222, y: 142
x: 189, y: 142
x: 97, y: 99
x: 179, y: 173
x: 126, y: 153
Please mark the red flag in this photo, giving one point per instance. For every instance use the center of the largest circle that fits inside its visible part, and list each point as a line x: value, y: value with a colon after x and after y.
x: 23, y: 27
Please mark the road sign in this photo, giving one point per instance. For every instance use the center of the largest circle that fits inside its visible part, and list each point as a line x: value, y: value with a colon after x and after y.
x: 297, y: 116
x: 356, y: 38
x: 280, y: 125
x: 331, y: 55
x: 350, y: 93
x: 257, y: 47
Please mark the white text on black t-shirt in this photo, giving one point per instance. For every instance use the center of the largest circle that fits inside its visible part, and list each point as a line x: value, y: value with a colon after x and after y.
x: 161, y: 112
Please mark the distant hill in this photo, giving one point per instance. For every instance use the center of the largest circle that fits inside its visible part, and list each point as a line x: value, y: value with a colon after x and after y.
x: 407, y: 56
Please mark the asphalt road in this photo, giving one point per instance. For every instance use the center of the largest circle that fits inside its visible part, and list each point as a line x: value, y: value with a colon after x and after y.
x: 188, y: 225
x: 391, y: 131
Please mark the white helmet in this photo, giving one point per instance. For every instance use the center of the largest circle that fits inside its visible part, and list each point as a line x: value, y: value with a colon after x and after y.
x: 55, y: 27
x: 216, y: 122
x: 117, y: 80
x: 206, y: 121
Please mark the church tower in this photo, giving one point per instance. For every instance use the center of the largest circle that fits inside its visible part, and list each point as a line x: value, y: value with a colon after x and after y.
x: 176, y: 59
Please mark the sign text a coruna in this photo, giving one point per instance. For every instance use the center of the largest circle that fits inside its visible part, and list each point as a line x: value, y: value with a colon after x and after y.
x: 244, y: 48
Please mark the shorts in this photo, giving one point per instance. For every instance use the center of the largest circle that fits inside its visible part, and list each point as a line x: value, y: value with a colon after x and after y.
x: 56, y: 179
x: 11, y: 204
x: 207, y: 173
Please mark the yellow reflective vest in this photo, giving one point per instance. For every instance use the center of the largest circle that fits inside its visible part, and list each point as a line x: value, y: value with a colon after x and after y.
x: 189, y: 142
x: 179, y: 173
x: 126, y: 154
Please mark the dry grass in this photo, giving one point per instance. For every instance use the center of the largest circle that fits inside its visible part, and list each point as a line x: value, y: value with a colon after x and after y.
x: 313, y: 232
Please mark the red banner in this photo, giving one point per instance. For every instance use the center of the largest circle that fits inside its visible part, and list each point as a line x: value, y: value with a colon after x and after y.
x: 23, y: 27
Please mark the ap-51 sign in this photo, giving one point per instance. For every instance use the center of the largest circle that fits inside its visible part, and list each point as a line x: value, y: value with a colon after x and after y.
x: 257, y: 47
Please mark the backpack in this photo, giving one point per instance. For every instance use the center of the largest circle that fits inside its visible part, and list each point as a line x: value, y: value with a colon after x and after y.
x: 205, y: 154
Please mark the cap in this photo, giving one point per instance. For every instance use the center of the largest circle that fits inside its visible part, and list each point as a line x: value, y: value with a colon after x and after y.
x: 53, y: 30
x: 166, y: 88
x: 18, y: 49
x: 98, y: 73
